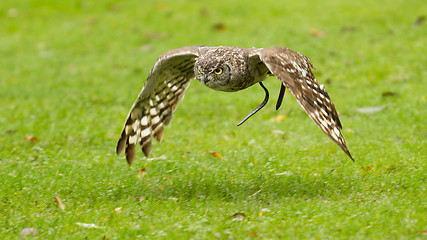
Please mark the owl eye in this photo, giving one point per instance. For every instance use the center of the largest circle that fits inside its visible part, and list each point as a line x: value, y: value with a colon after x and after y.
x: 218, y: 71
x: 198, y: 70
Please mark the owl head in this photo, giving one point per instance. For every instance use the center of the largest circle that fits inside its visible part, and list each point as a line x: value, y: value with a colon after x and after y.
x: 222, y: 68
x: 214, y: 74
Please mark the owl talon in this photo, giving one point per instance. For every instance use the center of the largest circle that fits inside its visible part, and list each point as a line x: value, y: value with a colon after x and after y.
x: 280, y: 98
x: 257, y: 108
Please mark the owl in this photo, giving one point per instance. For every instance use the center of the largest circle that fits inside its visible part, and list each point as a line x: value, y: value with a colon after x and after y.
x: 226, y: 69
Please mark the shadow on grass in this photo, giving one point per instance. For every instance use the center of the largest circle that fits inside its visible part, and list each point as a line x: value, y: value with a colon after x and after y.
x: 231, y: 188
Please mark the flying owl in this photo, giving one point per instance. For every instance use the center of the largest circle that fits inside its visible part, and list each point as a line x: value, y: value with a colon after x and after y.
x: 226, y: 69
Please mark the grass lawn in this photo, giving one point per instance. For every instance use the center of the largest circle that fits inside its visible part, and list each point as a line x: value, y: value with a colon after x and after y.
x: 70, y: 71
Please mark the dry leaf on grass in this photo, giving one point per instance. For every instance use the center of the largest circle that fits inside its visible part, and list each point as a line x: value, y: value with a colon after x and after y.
x: 420, y: 20
x: 204, y: 11
x: 154, y: 35
x: 215, y: 154
x: 254, y: 234
x: 87, y: 225
x: 219, y: 27
x: 141, y: 173
x: 389, y: 94
x: 31, y: 138
x: 146, y: 48
x: 286, y: 173
x: 370, y: 110
x: 10, y: 131
x: 278, y: 132
x: 29, y: 231
x: 140, y: 199
x: 61, y: 205
x: 367, y: 168
x: 239, y: 216
x: 317, y: 33
x: 349, y: 28
x: 279, y: 118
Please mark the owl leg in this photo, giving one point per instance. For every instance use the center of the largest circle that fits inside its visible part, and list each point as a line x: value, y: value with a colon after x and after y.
x: 281, y: 94
x: 257, y: 108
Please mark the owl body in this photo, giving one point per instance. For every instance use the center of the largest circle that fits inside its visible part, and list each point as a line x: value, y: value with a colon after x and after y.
x: 226, y: 69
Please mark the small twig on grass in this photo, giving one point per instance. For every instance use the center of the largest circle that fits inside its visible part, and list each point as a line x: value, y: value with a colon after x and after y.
x: 256, y: 193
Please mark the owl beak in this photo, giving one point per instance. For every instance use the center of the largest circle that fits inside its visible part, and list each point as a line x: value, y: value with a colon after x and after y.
x: 203, y: 79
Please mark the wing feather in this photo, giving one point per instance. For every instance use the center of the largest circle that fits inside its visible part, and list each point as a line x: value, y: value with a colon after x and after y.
x: 158, y: 99
x: 294, y: 71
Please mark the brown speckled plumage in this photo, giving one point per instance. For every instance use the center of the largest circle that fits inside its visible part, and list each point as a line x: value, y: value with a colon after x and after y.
x: 224, y: 69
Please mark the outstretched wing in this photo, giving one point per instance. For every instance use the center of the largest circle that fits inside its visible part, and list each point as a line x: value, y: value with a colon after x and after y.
x: 157, y: 100
x: 294, y: 71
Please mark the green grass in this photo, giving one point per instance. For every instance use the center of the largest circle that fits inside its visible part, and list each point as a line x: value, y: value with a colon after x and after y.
x: 70, y: 70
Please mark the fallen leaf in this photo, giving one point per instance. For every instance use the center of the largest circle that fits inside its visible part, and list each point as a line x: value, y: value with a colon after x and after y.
x: 32, y: 138
x: 140, y: 199
x: 215, y: 154
x: 265, y: 210
x: 367, y: 168
x: 389, y: 94
x: 279, y: 118
x: 87, y: 225
x: 154, y: 35
x: 61, y: 205
x: 349, y: 130
x: 278, y: 132
x: 113, y: 7
x: 286, y: 173
x: 420, y: 20
x: 118, y: 209
x: 424, y: 232
x: 219, y: 27
x: 370, y: 110
x: 10, y: 131
x: 349, y: 29
x: 253, y: 234
x: 239, y: 216
x: 156, y: 158
x: 317, y: 33
x: 204, y: 11
x: 146, y: 48
x: 29, y: 231
x: 141, y: 173
x: 251, y: 142
x: 260, y: 213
